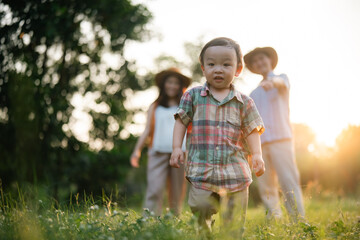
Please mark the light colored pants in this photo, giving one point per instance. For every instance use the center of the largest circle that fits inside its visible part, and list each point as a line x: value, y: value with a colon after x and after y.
x: 205, y: 203
x: 159, y: 174
x: 279, y: 158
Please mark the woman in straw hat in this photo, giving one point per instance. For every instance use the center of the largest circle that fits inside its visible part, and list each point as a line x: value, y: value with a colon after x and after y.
x: 159, y: 133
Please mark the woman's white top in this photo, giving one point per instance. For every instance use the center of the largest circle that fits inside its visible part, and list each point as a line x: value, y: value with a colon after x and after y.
x: 164, y: 127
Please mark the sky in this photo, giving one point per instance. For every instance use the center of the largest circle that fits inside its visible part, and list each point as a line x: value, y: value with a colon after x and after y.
x: 318, y: 43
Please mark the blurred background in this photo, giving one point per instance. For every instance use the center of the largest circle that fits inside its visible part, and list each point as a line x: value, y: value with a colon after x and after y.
x: 76, y: 79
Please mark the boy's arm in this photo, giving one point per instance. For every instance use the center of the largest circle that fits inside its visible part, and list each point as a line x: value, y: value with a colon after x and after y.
x: 253, y: 140
x: 178, y: 136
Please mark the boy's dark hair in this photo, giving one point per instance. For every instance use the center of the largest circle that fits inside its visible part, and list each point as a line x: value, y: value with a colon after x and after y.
x: 225, y: 42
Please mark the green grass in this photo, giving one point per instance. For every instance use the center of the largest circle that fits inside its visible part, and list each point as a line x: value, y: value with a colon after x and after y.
x: 327, y: 218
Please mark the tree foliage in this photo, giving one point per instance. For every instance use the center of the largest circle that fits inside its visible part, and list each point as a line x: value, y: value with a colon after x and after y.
x: 348, y: 159
x: 334, y: 169
x: 51, y: 51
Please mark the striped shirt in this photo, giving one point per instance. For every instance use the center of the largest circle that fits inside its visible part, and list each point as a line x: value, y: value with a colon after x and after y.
x: 273, y: 106
x: 217, y: 150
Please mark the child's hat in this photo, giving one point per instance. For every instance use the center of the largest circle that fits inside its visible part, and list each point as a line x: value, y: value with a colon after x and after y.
x: 268, y: 51
x: 161, y: 76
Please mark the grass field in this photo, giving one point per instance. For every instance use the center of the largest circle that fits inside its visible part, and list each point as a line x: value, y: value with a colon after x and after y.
x: 327, y: 218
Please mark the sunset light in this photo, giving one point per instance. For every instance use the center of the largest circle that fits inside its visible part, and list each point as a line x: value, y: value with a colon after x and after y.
x: 317, y: 44
x: 180, y: 119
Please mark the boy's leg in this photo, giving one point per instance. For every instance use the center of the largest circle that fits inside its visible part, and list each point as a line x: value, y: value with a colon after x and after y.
x: 204, y: 204
x: 177, y: 188
x: 235, y: 212
x: 268, y: 186
x: 157, y: 173
x: 284, y: 162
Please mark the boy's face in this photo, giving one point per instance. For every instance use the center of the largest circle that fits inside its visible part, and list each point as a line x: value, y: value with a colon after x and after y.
x: 220, y: 66
x: 261, y: 63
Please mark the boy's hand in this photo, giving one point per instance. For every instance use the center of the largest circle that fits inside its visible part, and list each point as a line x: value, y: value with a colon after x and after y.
x: 134, y: 160
x: 267, y: 85
x: 259, y: 165
x: 176, y: 156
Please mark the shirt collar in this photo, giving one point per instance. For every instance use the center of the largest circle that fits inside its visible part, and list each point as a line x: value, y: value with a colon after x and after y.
x: 205, y: 91
x: 271, y: 74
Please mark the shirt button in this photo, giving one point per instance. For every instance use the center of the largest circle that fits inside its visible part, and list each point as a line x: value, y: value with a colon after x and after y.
x: 218, y: 126
x: 217, y: 148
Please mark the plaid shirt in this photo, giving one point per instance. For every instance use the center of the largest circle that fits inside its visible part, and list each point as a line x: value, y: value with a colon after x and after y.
x: 216, y: 133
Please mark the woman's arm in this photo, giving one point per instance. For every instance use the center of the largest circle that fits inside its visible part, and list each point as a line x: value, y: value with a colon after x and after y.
x: 135, y: 156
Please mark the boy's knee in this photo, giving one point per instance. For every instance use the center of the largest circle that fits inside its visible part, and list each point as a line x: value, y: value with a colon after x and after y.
x: 203, y: 202
x: 204, y: 209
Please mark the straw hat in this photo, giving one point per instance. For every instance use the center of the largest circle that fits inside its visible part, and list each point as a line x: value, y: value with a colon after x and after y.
x: 161, y: 76
x: 269, y: 51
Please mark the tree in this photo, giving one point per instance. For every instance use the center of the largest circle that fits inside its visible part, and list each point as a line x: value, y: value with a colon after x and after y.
x: 191, y: 63
x: 49, y: 51
x: 347, y: 157
x: 304, y: 138
x: 164, y: 61
x: 193, y: 51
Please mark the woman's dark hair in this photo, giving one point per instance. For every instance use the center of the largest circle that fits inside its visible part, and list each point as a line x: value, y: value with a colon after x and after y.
x: 224, y: 42
x: 163, y: 99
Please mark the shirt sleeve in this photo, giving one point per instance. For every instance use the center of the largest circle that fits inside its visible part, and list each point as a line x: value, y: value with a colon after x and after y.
x: 251, y: 119
x: 286, y: 80
x: 185, y: 109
